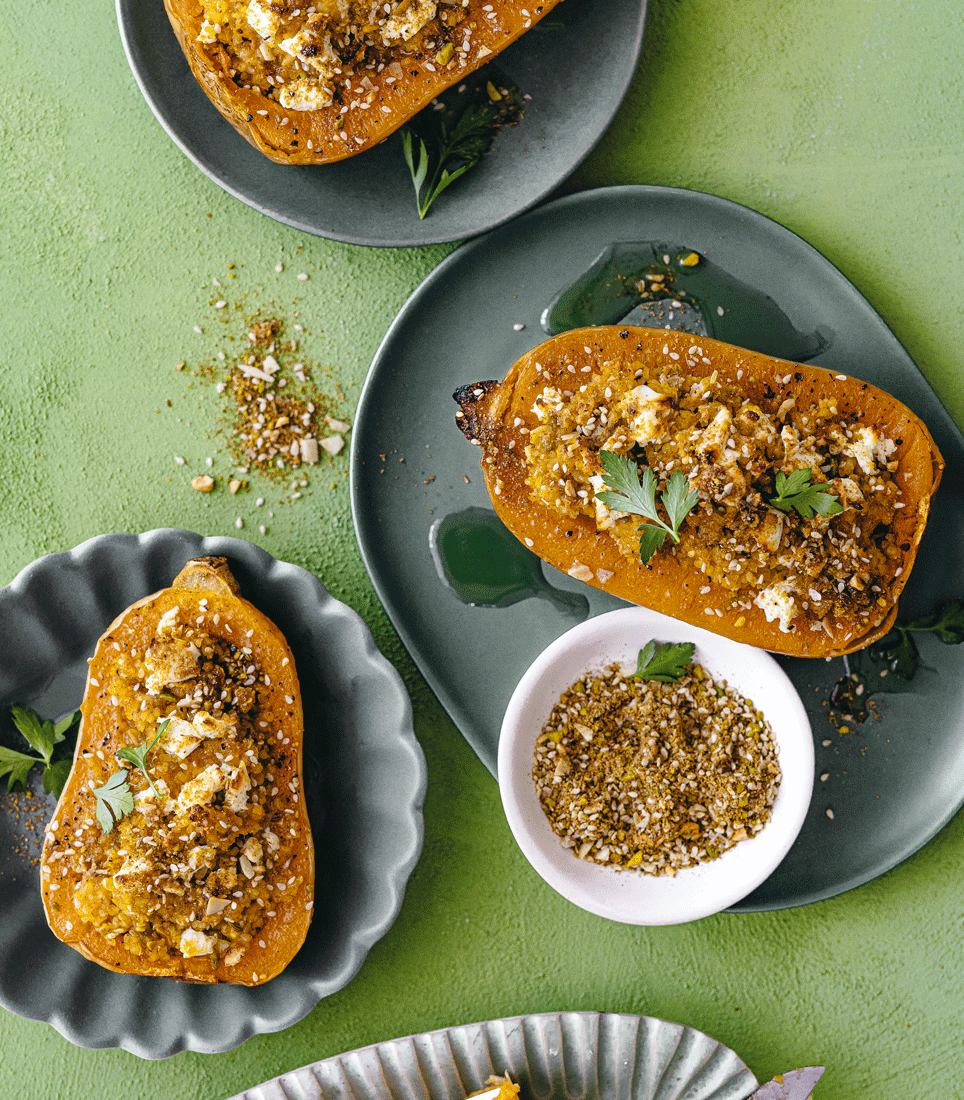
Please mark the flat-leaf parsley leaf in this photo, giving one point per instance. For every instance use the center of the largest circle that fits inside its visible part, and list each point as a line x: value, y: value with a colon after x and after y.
x: 626, y: 493
x: 796, y: 491
x: 448, y: 139
x: 899, y: 649
x: 664, y: 661
x: 114, y: 800
x: 44, y: 736
x: 137, y: 754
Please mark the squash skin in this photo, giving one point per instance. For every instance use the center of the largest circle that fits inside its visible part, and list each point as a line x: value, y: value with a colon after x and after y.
x: 210, y: 580
x: 362, y: 128
x: 494, y: 414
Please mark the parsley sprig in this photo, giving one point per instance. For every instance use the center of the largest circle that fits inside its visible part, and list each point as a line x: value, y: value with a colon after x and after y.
x: 45, y: 737
x: 794, y: 490
x: 899, y: 649
x: 664, y: 661
x: 115, y: 800
x: 443, y: 144
x: 626, y: 493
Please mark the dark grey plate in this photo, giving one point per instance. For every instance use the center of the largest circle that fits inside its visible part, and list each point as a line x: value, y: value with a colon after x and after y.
x: 364, y: 781
x: 591, y: 1055
x: 893, y: 784
x: 576, y: 75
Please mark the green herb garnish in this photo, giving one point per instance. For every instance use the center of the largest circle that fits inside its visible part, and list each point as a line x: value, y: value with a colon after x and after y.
x: 899, y: 649
x: 442, y: 144
x: 664, y: 661
x: 137, y: 754
x: 796, y: 491
x: 44, y: 737
x: 625, y: 493
x: 114, y: 800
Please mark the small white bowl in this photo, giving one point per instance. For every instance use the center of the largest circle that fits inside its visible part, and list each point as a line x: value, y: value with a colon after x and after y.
x: 631, y: 896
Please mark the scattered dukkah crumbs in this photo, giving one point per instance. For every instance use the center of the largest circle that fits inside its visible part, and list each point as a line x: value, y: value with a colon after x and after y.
x: 26, y: 813
x: 280, y: 421
x: 655, y: 776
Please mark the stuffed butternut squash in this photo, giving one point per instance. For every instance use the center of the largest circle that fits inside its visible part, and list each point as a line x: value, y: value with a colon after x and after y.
x: 778, y: 504
x: 314, y: 83
x: 181, y: 846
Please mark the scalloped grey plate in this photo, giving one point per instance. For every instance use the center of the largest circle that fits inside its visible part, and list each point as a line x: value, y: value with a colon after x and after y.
x: 576, y: 75
x: 365, y: 782
x: 554, y: 1056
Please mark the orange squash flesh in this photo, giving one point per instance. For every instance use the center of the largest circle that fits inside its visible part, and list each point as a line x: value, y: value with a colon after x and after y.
x: 126, y: 898
x: 381, y: 90
x: 499, y: 417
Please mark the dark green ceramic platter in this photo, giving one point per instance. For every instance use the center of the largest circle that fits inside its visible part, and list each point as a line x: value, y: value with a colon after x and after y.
x: 891, y: 784
x: 575, y: 71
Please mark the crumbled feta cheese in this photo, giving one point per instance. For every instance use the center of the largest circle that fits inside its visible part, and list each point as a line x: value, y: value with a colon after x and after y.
x: 208, y: 33
x: 145, y: 800
x: 798, y: 453
x: 605, y: 517
x: 236, y: 788
x: 193, y: 943
x: 200, y: 790
x: 868, y: 448
x: 400, y: 28
x: 646, y: 409
x: 180, y: 738
x: 262, y: 19
x: 212, y: 725
x: 333, y: 444
x: 308, y: 51
x: 777, y: 602
x: 133, y: 869
x: 305, y: 95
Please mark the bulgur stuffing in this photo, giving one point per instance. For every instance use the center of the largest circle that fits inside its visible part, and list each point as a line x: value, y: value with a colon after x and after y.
x: 802, y: 572
x: 196, y: 869
x: 306, y: 57
x: 637, y: 774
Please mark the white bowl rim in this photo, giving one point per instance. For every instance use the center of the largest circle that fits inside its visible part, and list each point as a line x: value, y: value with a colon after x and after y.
x: 633, y: 897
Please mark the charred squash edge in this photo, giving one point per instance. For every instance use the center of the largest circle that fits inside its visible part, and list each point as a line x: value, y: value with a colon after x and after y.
x: 283, y: 934
x: 489, y: 411
x: 362, y: 129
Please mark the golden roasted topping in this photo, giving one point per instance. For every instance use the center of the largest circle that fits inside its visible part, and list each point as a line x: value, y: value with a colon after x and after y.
x: 182, y: 832
x: 776, y: 503
x: 298, y: 55
x: 794, y: 567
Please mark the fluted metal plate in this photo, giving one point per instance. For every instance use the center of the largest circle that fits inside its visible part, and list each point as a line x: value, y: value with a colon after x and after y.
x: 554, y: 1056
x: 364, y: 783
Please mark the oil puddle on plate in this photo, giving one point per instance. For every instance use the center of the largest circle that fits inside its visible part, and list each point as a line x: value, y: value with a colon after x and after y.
x: 486, y: 566
x: 668, y: 286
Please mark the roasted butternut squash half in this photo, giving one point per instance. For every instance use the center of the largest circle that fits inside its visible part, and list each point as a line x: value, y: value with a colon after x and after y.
x: 315, y: 83
x: 181, y: 846
x: 778, y: 504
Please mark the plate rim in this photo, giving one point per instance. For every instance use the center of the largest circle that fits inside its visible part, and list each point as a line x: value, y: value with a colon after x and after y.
x: 367, y: 928
x: 306, y: 1081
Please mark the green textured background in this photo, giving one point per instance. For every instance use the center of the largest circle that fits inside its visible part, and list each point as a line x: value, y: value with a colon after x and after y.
x: 841, y: 120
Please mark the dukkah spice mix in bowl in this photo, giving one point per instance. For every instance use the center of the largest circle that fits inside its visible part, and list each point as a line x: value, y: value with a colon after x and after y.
x: 652, y: 772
